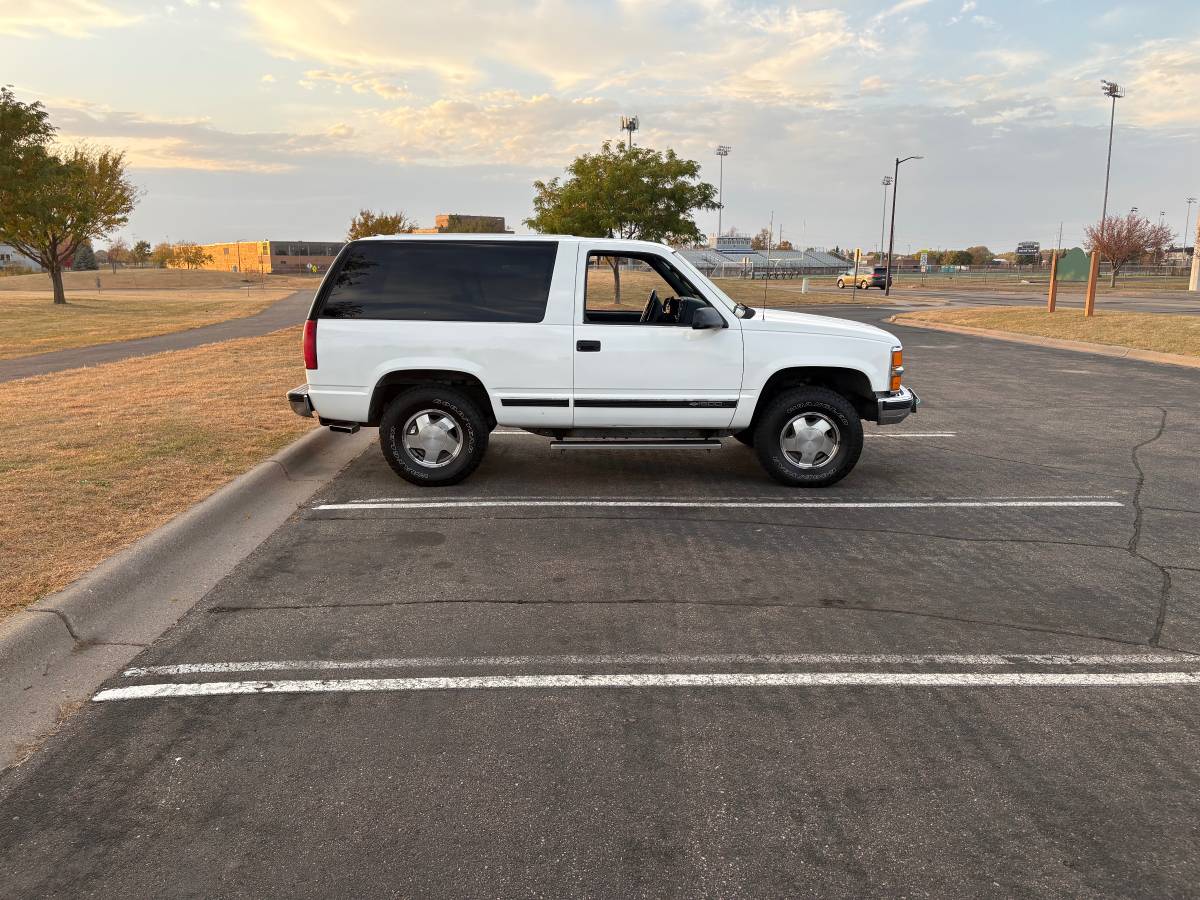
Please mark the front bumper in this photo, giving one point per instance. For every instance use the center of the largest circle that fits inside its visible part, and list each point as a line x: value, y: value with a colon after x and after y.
x: 299, y: 401
x: 896, y: 406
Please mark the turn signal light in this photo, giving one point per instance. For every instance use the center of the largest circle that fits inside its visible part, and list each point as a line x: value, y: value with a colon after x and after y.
x: 310, y: 344
x: 897, y: 369
x: 897, y: 358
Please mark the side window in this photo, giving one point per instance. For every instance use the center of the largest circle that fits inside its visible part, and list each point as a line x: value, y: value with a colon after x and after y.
x: 628, y: 289
x: 460, y: 281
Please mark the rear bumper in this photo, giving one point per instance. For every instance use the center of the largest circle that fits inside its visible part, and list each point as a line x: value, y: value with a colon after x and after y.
x: 896, y: 406
x: 299, y: 401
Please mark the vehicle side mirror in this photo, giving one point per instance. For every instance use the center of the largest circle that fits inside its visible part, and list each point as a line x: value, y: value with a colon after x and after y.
x: 708, y: 318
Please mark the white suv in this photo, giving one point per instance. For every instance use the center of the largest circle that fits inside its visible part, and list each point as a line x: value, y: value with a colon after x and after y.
x: 593, y: 343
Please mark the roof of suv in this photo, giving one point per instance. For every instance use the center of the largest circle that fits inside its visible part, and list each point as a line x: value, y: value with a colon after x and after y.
x: 468, y: 236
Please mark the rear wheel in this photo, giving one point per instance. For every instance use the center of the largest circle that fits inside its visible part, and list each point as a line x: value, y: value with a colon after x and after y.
x: 808, y: 437
x: 433, y: 436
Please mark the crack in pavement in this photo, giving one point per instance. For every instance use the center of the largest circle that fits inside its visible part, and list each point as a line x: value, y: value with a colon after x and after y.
x: 1135, y: 539
x: 828, y: 606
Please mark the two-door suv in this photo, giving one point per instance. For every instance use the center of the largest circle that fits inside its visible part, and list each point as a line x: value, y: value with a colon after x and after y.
x: 593, y: 343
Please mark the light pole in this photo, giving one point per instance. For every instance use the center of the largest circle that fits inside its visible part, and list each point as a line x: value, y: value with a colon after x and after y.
x: 1187, y: 222
x: 630, y: 124
x: 1114, y: 90
x: 722, y: 152
x: 887, y: 281
x: 887, y: 179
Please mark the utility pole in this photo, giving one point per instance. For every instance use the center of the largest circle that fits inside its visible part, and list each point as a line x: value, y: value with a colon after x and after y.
x: 722, y: 152
x: 1187, y: 222
x: 887, y: 281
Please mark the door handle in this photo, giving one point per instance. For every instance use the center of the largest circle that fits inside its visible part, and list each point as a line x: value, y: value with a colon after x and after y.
x: 587, y: 346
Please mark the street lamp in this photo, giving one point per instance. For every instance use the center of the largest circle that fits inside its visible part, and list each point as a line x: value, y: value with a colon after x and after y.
x: 887, y: 281
x: 1115, y: 91
x: 887, y: 179
x: 1188, y: 222
x: 722, y: 152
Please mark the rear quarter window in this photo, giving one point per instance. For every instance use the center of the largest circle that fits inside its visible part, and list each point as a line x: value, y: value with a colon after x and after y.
x: 492, y: 281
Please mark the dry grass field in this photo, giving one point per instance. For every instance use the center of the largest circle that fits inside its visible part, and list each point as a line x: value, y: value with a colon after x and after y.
x: 30, y: 323
x: 92, y: 459
x: 1143, y: 331
x: 154, y: 280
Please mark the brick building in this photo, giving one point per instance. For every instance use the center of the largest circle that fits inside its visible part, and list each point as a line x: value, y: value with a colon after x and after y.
x: 457, y: 223
x: 267, y: 257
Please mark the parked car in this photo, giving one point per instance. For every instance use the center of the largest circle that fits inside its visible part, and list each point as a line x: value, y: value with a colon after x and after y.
x: 876, y: 276
x: 593, y: 343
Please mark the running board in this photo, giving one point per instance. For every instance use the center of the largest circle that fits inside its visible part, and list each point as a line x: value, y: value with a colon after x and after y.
x: 636, y: 444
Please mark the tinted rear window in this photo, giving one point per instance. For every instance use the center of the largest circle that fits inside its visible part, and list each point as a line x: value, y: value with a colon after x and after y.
x: 442, y: 282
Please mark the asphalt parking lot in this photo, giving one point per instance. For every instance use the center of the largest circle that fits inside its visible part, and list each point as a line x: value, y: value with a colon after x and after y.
x: 968, y: 669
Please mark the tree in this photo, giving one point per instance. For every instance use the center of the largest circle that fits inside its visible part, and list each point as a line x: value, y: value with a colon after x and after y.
x: 162, y: 254
x: 1126, y: 239
x: 785, y: 246
x: 140, y: 254
x: 368, y: 223
x: 761, y: 240
x: 980, y: 256
x: 118, y: 252
x: 85, y: 258
x: 189, y: 255
x: 629, y: 192
x: 56, y: 203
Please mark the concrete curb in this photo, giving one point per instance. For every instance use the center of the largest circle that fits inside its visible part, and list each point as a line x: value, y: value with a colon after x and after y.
x: 1169, y: 359
x: 65, y: 645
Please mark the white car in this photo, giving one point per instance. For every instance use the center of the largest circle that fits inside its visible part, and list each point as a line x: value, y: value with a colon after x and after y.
x: 594, y: 343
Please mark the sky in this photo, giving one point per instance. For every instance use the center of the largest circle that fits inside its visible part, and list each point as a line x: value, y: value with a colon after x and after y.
x: 279, y: 119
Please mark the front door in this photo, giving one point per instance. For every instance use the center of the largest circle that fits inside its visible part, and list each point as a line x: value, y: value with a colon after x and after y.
x: 638, y: 361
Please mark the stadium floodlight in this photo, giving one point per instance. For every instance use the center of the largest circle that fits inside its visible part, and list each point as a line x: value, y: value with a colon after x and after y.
x: 887, y: 281
x: 1187, y: 222
x: 630, y: 124
x: 1115, y: 91
x: 722, y: 152
x: 887, y: 179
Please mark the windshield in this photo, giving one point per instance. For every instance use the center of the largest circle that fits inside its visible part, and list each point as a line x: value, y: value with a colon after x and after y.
x: 698, y: 277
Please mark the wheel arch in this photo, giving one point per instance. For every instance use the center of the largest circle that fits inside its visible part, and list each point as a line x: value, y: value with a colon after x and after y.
x: 392, y: 384
x: 852, y: 384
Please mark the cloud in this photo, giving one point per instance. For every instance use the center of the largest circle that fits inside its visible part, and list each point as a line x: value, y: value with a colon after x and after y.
x: 365, y: 83
x: 1165, y: 91
x: 873, y: 84
x: 67, y: 18
x: 162, y: 143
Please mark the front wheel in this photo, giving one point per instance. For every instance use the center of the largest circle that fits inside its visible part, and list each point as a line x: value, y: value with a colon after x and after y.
x: 433, y: 436
x: 808, y: 437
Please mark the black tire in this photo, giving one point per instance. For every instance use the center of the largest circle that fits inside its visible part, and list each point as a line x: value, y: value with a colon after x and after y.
x: 824, y: 404
x: 469, y: 431
x: 744, y: 437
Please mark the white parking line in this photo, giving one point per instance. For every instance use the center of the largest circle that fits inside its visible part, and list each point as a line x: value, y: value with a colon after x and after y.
x: 722, y: 504
x: 678, y: 680
x: 672, y: 659
x: 867, y: 434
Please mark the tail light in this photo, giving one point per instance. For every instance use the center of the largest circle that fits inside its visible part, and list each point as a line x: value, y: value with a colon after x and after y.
x: 897, y: 368
x: 310, y: 344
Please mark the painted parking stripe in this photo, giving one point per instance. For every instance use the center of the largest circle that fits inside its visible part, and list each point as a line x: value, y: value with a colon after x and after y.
x: 723, y: 504
x: 673, y: 659
x: 868, y: 434
x: 768, y: 501
x: 676, y: 680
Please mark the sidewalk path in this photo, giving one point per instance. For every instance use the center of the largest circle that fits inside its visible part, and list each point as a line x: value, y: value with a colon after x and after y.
x: 288, y: 311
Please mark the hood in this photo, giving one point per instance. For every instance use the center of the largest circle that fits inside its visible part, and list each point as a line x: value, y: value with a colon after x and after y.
x: 807, y: 323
